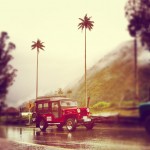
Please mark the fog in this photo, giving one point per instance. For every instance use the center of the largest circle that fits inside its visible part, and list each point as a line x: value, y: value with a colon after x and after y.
x: 55, y: 23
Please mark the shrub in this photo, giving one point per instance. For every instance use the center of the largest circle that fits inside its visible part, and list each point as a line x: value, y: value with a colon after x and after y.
x: 101, y: 105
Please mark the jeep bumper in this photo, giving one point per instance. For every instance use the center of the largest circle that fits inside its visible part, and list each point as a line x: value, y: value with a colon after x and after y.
x: 85, y: 119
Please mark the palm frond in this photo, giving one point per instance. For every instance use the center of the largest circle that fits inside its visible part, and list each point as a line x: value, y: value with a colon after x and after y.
x: 38, y: 44
x: 81, y: 19
x: 86, y: 23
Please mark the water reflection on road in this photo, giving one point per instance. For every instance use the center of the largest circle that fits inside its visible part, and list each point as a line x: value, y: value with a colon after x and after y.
x: 107, y: 137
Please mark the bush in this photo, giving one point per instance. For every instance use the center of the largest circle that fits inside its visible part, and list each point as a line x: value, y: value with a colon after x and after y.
x: 101, y: 105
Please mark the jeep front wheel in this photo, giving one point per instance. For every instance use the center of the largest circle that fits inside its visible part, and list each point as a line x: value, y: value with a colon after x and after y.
x: 71, y: 124
x: 89, y: 126
x: 43, y: 125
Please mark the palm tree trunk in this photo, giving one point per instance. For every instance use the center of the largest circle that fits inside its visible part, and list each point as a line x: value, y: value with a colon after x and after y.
x: 149, y: 94
x: 37, y: 76
x: 85, y: 72
x: 136, y: 71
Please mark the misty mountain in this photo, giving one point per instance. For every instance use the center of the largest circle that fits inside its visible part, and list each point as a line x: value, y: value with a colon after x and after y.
x: 111, y: 79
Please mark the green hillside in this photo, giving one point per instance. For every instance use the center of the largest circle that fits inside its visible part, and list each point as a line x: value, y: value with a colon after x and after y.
x: 110, y: 82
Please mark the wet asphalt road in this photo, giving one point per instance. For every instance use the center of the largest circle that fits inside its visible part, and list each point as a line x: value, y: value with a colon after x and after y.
x: 109, y: 137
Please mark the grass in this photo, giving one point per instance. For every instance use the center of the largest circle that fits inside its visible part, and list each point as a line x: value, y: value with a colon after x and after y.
x: 129, y: 108
x: 101, y: 105
x: 120, y: 112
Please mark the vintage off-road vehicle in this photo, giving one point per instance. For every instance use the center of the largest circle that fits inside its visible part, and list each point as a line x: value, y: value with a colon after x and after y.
x: 61, y: 111
x: 144, y: 110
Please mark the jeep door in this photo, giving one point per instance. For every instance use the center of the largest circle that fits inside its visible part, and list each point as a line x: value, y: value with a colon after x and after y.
x: 56, y: 111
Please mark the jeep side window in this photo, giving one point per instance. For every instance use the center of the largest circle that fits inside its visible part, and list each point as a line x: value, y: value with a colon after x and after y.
x: 55, y: 107
x: 45, y: 106
x: 40, y: 106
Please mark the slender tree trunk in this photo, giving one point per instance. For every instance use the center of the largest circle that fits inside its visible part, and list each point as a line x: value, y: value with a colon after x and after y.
x: 37, y: 76
x: 136, y: 71
x: 149, y: 94
x: 85, y: 73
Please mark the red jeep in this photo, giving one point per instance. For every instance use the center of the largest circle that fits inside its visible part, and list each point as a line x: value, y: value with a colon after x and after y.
x: 61, y: 111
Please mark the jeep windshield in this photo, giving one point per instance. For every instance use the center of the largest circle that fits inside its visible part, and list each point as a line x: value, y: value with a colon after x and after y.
x: 68, y: 103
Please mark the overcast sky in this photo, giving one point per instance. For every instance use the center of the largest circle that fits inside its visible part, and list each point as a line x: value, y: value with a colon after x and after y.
x: 55, y: 22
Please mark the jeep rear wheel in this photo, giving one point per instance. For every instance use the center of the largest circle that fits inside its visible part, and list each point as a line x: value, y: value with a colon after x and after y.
x: 147, y: 124
x: 71, y: 124
x: 60, y: 126
x: 43, y: 125
x: 33, y: 117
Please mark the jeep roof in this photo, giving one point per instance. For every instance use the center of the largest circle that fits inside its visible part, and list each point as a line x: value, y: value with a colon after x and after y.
x: 45, y: 99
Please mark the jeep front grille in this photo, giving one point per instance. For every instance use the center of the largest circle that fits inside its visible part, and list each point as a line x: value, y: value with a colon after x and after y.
x: 83, y: 112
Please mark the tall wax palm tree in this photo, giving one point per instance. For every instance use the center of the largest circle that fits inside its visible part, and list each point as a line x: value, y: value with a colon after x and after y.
x: 133, y: 14
x: 39, y: 45
x: 85, y: 23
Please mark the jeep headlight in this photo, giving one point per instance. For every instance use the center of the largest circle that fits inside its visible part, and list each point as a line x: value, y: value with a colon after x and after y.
x: 78, y: 110
x: 88, y: 110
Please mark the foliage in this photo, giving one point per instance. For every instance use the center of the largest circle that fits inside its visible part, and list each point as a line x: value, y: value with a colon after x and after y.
x: 138, y: 15
x: 86, y: 23
x: 133, y: 14
x: 17, y: 120
x: 60, y: 91
x: 101, y: 105
x: 38, y: 45
x: 7, y: 72
x: 146, y: 23
x: 69, y: 92
x: 2, y: 105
